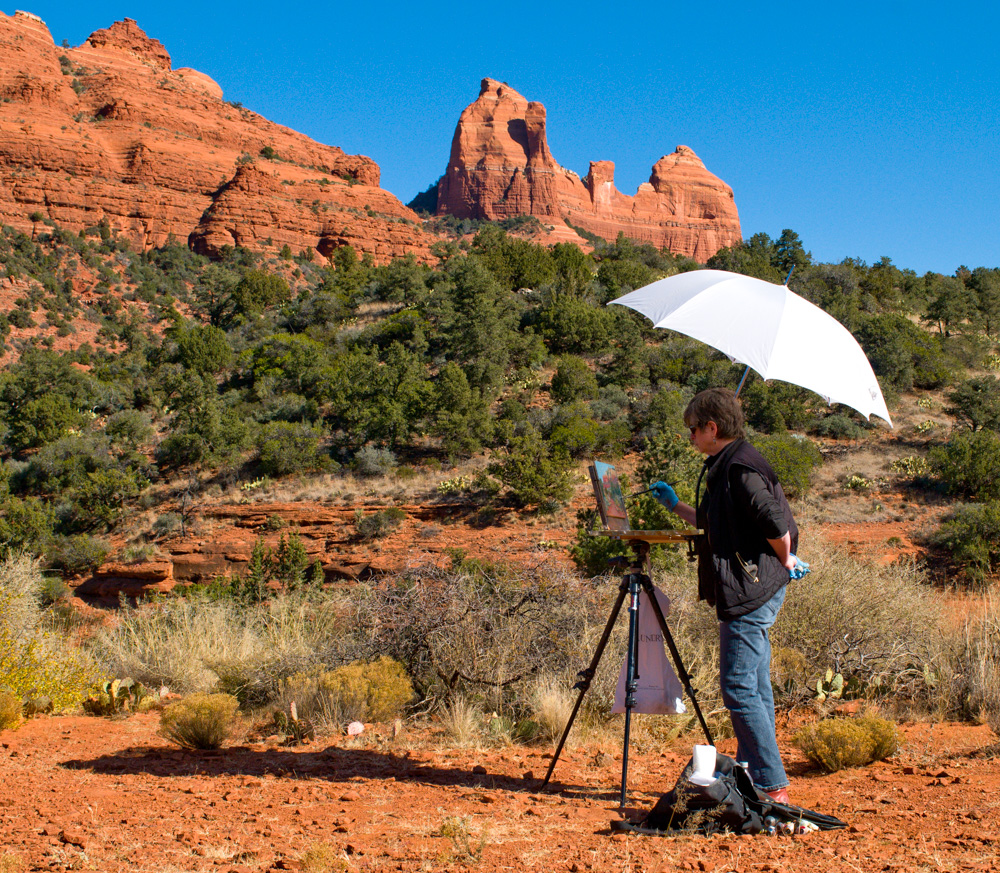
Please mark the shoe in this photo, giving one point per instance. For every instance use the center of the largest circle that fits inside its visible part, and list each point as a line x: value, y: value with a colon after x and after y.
x: 779, y: 796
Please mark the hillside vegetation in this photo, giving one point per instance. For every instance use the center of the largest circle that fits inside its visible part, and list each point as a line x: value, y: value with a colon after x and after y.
x: 126, y: 370
x: 134, y: 378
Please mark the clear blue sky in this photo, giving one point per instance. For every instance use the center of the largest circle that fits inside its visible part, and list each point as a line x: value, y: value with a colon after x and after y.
x: 870, y: 128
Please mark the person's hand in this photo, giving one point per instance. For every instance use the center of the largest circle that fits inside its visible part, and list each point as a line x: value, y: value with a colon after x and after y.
x: 664, y: 493
x: 800, y: 569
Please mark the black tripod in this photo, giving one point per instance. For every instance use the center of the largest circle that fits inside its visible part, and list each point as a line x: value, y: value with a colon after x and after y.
x: 634, y: 581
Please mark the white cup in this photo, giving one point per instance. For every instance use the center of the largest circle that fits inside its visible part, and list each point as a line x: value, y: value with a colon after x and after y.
x: 704, y: 765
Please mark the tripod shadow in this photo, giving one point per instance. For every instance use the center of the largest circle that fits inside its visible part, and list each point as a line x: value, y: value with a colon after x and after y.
x: 333, y: 764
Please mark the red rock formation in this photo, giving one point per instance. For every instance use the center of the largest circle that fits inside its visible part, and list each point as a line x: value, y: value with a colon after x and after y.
x: 109, y: 130
x: 500, y: 166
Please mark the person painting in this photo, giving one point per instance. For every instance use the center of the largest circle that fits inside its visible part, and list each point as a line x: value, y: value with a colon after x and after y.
x: 745, y: 561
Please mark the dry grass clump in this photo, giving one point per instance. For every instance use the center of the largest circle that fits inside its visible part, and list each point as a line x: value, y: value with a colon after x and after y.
x: 324, y: 858
x: 551, y: 706
x: 36, y: 663
x: 836, y: 743
x: 367, y: 692
x: 974, y: 663
x: 11, y: 710
x: 201, y: 721
x: 874, y: 625
x: 20, y: 587
x: 195, y: 645
x: 462, y: 721
x: 465, y: 845
x: 12, y: 863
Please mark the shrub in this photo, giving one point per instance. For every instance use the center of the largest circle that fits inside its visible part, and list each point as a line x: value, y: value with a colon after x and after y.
x: 969, y: 464
x: 180, y: 449
x: 164, y: 525
x: 379, y: 524
x: 291, y: 562
x: 576, y: 433
x: 902, y: 355
x: 287, y: 447
x: 838, y: 427
x: 373, y: 692
x: 11, y: 710
x: 792, y: 458
x: 483, y: 631
x: 138, y: 553
x: 534, y: 474
x: 972, y: 534
x: 42, y: 420
x: 573, y: 380
x: 370, y: 461
x: 201, y: 721
x: 25, y: 525
x: 611, y: 403
x: 102, y: 496
x: 129, y: 428
x: 836, y: 743
x: 258, y: 290
x: 77, y: 554
x: 976, y: 403
x: 33, y: 662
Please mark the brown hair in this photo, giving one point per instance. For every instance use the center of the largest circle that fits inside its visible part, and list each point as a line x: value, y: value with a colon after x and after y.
x: 719, y: 405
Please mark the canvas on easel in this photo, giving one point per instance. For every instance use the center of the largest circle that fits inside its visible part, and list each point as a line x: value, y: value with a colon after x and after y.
x: 614, y: 515
x: 610, y: 500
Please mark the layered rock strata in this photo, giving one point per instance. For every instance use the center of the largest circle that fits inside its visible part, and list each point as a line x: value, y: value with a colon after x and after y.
x: 109, y: 131
x: 500, y: 167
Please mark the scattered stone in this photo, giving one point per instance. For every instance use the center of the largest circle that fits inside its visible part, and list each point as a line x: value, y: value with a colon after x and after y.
x: 74, y: 837
x: 355, y: 729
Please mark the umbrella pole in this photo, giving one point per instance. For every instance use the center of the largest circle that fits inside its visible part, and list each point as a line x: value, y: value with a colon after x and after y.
x: 746, y: 373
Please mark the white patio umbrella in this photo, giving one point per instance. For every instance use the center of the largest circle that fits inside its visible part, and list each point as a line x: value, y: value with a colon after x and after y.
x: 768, y: 328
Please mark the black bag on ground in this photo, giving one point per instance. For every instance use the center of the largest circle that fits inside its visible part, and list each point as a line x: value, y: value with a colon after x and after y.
x: 731, y: 803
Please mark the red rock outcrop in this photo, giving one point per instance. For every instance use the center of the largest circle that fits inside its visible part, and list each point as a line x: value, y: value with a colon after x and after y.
x: 500, y: 167
x: 107, y: 130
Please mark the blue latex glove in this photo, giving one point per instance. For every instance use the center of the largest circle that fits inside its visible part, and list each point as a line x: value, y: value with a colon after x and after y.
x: 664, y: 493
x: 800, y: 570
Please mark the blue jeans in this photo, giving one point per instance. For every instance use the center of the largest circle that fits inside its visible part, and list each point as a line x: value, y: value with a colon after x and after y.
x: 745, y: 675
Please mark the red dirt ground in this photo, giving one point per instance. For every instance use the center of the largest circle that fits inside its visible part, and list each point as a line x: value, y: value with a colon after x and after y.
x: 83, y: 793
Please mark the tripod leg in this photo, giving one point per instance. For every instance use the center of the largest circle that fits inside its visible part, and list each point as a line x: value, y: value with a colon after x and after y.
x: 587, y: 676
x: 631, y: 672
x: 682, y: 674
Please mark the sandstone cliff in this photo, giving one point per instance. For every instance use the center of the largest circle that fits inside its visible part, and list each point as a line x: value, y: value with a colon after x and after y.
x: 500, y: 166
x: 108, y: 130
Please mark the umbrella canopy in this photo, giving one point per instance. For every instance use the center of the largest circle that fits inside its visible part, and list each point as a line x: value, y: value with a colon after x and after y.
x: 768, y: 328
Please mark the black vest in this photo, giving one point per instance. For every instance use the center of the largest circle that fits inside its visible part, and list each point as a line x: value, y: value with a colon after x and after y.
x: 738, y: 570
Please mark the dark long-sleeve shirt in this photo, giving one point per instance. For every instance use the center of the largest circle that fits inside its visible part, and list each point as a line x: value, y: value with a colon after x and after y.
x: 750, y: 493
